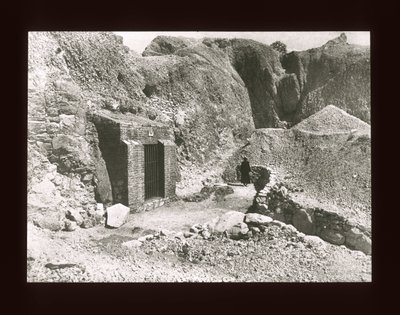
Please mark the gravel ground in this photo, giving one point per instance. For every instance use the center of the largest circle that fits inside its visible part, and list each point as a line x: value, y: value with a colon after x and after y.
x: 279, y: 254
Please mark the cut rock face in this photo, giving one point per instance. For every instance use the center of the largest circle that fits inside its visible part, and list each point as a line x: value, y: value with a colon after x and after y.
x: 117, y: 215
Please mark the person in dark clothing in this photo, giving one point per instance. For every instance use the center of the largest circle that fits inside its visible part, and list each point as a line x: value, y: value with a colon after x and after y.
x: 245, y: 172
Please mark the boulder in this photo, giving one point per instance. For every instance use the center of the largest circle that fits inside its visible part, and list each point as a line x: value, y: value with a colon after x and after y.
x: 70, y: 225
x: 257, y: 219
x: 355, y: 239
x: 117, y: 215
x: 238, y: 231
x: 89, y: 222
x: 53, y: 221
x: 279, y: 223
x: 205, y: 234
x: 255, y: 230
x: 303, y: 221
x: 43, y: 195
x: 227, y: 221
x: 332, y: 236
x: 194, y: 229
x: 74, y: 215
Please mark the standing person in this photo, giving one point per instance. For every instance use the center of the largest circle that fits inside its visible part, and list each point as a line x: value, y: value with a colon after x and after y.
x: 245, y: 172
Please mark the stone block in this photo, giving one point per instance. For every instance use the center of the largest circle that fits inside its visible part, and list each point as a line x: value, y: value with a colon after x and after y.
x: 70, y: 225
x: 238, y: 231
x: 52, y: 111
x: 52, y: 220
x: 67, y: 123
x: 36, y: 127
x: 74, y: 215
x: 257, y: 219
x: 117, y: 215
x: 332, y: 236
x: 356, y: 239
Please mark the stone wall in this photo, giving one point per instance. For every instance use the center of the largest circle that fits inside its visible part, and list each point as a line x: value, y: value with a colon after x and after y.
x: 170, y: 167
x: 135, y: 163
x: 122, y: 144
x: 328, y: 225
x: 144, y: 134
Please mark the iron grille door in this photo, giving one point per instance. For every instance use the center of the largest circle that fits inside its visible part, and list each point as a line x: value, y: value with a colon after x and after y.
x: 154, y: 170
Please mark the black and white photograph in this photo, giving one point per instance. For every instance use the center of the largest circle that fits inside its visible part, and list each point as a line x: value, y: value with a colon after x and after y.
x: 198, y: 156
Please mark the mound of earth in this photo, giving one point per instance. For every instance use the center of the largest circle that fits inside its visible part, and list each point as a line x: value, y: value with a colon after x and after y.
x: 331, y: 169
x: 336, y: 73
x: 331, y: 120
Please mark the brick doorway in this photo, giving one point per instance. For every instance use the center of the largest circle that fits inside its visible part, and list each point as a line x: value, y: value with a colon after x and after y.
x: 154, y: 182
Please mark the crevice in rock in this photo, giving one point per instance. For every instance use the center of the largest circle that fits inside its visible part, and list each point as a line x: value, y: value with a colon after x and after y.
x: 114, y: 157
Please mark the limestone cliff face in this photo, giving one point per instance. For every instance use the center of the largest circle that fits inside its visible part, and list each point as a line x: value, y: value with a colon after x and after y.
x: 336, y: 73
x: 283, y: 90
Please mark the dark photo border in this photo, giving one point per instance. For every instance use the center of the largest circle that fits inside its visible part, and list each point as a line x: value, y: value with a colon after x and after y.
x: 339, y: 298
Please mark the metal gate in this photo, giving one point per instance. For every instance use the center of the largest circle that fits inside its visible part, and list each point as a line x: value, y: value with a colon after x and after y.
x: 153, y: 170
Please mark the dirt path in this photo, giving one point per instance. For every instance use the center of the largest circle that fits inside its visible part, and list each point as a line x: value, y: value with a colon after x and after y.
x: 179, y: 216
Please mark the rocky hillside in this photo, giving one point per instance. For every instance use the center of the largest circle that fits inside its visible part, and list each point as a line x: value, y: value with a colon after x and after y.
x: 212, y: 93
x: 286, y: 89
x: 336, y: 73
x: 326, y: 158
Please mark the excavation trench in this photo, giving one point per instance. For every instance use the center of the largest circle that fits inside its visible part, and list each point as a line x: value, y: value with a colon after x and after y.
x: 328, y: 225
